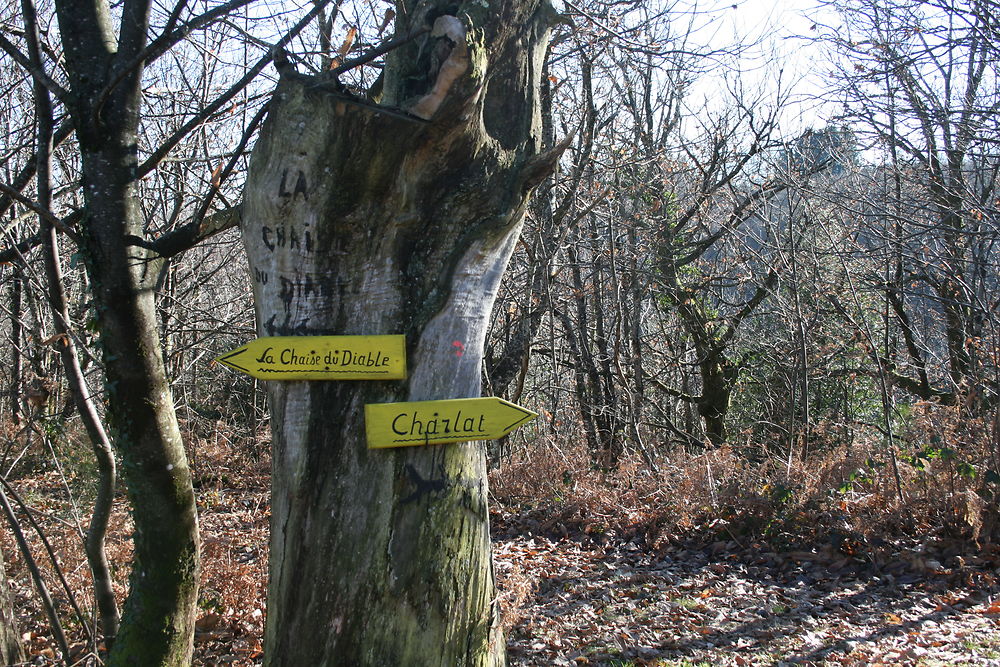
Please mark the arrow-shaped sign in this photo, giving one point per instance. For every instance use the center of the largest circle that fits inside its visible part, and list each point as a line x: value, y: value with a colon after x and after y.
x: 321, y: 358
x: 436, y: 422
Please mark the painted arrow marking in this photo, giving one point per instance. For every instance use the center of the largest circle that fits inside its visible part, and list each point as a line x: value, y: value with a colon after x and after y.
x: 321, y: 358
x: 438, y: 422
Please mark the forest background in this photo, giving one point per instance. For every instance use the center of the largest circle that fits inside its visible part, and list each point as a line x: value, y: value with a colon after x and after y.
x: 745, y: 306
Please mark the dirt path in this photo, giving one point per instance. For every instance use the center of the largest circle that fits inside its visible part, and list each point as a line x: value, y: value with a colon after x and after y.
x: 617, y: 605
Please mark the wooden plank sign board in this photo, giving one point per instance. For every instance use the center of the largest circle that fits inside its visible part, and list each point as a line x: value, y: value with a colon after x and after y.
x: 439, y: 422
x: 321, y: 358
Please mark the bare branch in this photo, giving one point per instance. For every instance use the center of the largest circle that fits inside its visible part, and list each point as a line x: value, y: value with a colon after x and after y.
x: 36, y: 73
x: 153, y: 160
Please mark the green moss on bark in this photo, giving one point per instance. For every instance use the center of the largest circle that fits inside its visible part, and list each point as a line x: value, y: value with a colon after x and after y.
x: 383, y: 557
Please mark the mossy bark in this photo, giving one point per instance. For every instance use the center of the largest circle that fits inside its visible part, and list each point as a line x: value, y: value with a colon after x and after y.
x: 157, y: 625
x: 718, y: 379
x: 362, y: 222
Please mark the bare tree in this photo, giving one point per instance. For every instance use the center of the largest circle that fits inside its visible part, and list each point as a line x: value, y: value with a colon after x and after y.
x: 922, y: 86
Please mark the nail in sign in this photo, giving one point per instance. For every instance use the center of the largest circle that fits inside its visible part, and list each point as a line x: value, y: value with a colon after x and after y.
x: 439, y: 422
x: 321, y: 358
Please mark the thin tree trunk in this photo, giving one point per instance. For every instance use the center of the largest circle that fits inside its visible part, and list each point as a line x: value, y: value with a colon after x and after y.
x: 10, y: 638
x: 638, y: 394
x: 610, y: 421
x: 16, y: 336
x: 583, y: 400
x: 363, y: 222
x: 94, y: 546
x: 55, y: 625
x: 800, y: 373
x: 106, y: 467
x: 590, y: 397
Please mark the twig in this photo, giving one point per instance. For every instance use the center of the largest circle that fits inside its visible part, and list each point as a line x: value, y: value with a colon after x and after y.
x: 40, y: 210
x: 52, y: 555
x: 36, y: 73
x: 379, y: 51
x: 168, y: 145
x: 163, y: 43
x: 36, y: 574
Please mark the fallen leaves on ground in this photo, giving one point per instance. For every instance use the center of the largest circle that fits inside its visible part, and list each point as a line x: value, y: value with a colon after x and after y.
x: 617, y: 603
x: 573, y: 597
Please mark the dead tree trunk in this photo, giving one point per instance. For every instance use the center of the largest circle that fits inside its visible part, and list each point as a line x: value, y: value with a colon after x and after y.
x: 384, y: 220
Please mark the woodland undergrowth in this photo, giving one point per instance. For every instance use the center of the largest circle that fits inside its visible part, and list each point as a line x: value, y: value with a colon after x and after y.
x: 935, y: 484
x: 928, y: 494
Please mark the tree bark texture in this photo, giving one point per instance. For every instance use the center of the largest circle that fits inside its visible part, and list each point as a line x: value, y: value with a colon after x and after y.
x: 157, y: 625
x: 357, y: 221
x: 16, y: 328
x: 10, y: 638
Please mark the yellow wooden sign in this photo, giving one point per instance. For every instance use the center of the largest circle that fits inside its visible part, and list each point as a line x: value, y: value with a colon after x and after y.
x: 321, y: 358
x: 437, y: 422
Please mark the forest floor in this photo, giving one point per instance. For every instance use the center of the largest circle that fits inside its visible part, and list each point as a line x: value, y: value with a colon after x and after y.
x: 573, y: 593
x: 616, y: 603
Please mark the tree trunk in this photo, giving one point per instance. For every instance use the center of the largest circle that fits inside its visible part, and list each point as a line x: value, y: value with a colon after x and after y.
x: 157, y: 624
x: 718, y: 378
x: 10, y: 638
x: 16, y: 381
x: 358, y: 221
